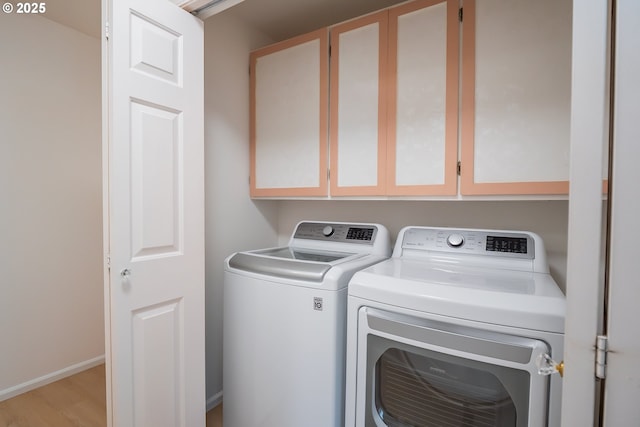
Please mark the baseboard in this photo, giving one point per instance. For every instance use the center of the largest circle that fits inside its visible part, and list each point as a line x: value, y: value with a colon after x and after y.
x: 49, y: 378
x: 214, y: 400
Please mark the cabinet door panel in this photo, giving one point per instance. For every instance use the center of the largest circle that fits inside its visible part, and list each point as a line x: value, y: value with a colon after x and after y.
x: 359, y: 54
x: 516, y: 97
x: 423, y: 98
x: 289, y: 117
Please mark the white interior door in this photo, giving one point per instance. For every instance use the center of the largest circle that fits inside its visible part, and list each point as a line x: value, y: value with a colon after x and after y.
x: 154, y: 214
x: 622, y: 386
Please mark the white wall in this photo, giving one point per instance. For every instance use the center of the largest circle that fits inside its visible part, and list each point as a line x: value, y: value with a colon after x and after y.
x: 233, y: 221
x: 51, y: 297
x: 547, y: 218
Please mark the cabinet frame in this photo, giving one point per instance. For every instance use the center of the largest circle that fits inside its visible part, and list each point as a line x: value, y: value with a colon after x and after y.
x: 459, y: 115
x: 380, y: 18
x: 387, y: 21
x: 450, y: 185
x: 468, y: 186
x: 322, y: 189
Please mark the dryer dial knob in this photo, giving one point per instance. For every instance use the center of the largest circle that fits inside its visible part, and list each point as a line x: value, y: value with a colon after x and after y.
x: 455, y: 240
x: 328, y: 231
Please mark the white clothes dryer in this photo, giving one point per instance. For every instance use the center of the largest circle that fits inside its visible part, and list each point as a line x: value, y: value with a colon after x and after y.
x: 284, y: 327
x: 449, y: 331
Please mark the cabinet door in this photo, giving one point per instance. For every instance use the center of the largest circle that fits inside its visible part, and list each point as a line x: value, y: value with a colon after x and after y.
x: 289, y: 117
x: 516, y: 97
x: 358, y: 106
x: 422, y: 116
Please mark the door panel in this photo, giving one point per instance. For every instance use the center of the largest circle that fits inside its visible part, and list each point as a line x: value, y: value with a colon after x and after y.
x: 157, y: 366
x: 154, y: 219
x: 156, y: 181
x: 155, y: 50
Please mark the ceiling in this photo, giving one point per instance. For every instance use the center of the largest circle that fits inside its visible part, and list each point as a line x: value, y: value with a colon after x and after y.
x: 278, y: 19
x: 283, y: 19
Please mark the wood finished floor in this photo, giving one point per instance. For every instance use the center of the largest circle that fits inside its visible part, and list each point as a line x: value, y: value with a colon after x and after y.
x: 75, y: 401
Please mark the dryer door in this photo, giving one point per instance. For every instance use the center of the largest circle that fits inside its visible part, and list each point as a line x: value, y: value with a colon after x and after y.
x: 421, y: 372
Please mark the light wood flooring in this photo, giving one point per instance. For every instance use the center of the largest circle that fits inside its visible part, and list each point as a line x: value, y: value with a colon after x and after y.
x: 75, y: 401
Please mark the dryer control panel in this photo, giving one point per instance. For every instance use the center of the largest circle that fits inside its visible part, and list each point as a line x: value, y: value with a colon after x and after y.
x: 466, y: 241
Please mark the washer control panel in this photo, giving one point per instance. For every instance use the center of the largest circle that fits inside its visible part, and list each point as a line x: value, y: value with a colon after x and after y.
x: 336, y: 232
x: 476, y: 242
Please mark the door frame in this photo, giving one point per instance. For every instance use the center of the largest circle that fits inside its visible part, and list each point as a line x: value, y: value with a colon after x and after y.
x: 621, y: 388
x: 587, y: 210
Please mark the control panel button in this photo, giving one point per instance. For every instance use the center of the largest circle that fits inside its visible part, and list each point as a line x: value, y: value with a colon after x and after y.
x: 328, y: 230
x: 455, y: 240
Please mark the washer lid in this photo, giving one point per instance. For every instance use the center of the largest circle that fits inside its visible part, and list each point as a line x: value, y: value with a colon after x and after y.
x: 291, y: 263
x: 303, y: 254
x: 503, y: 297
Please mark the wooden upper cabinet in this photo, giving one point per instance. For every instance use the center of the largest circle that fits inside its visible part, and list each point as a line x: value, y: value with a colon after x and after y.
x: 516, y: 82
x: 289, y: 117
x: 422, y: 113
x: 394, y: 101
x: 358, y: 106
x: 389, y: 113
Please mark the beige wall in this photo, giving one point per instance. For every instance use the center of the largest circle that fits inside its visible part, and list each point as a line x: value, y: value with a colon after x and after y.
x: 233, y: 221
x: 51, y: 297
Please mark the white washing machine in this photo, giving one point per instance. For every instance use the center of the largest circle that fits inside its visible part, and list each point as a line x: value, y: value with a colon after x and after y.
x: 284, y: 328
x: 449, y: 331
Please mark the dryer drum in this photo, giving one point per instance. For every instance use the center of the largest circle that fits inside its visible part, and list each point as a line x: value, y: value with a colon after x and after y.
x: 414, y: 390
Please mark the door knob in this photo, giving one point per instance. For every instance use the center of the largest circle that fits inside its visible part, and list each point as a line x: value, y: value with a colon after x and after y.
x: 125, y: 272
